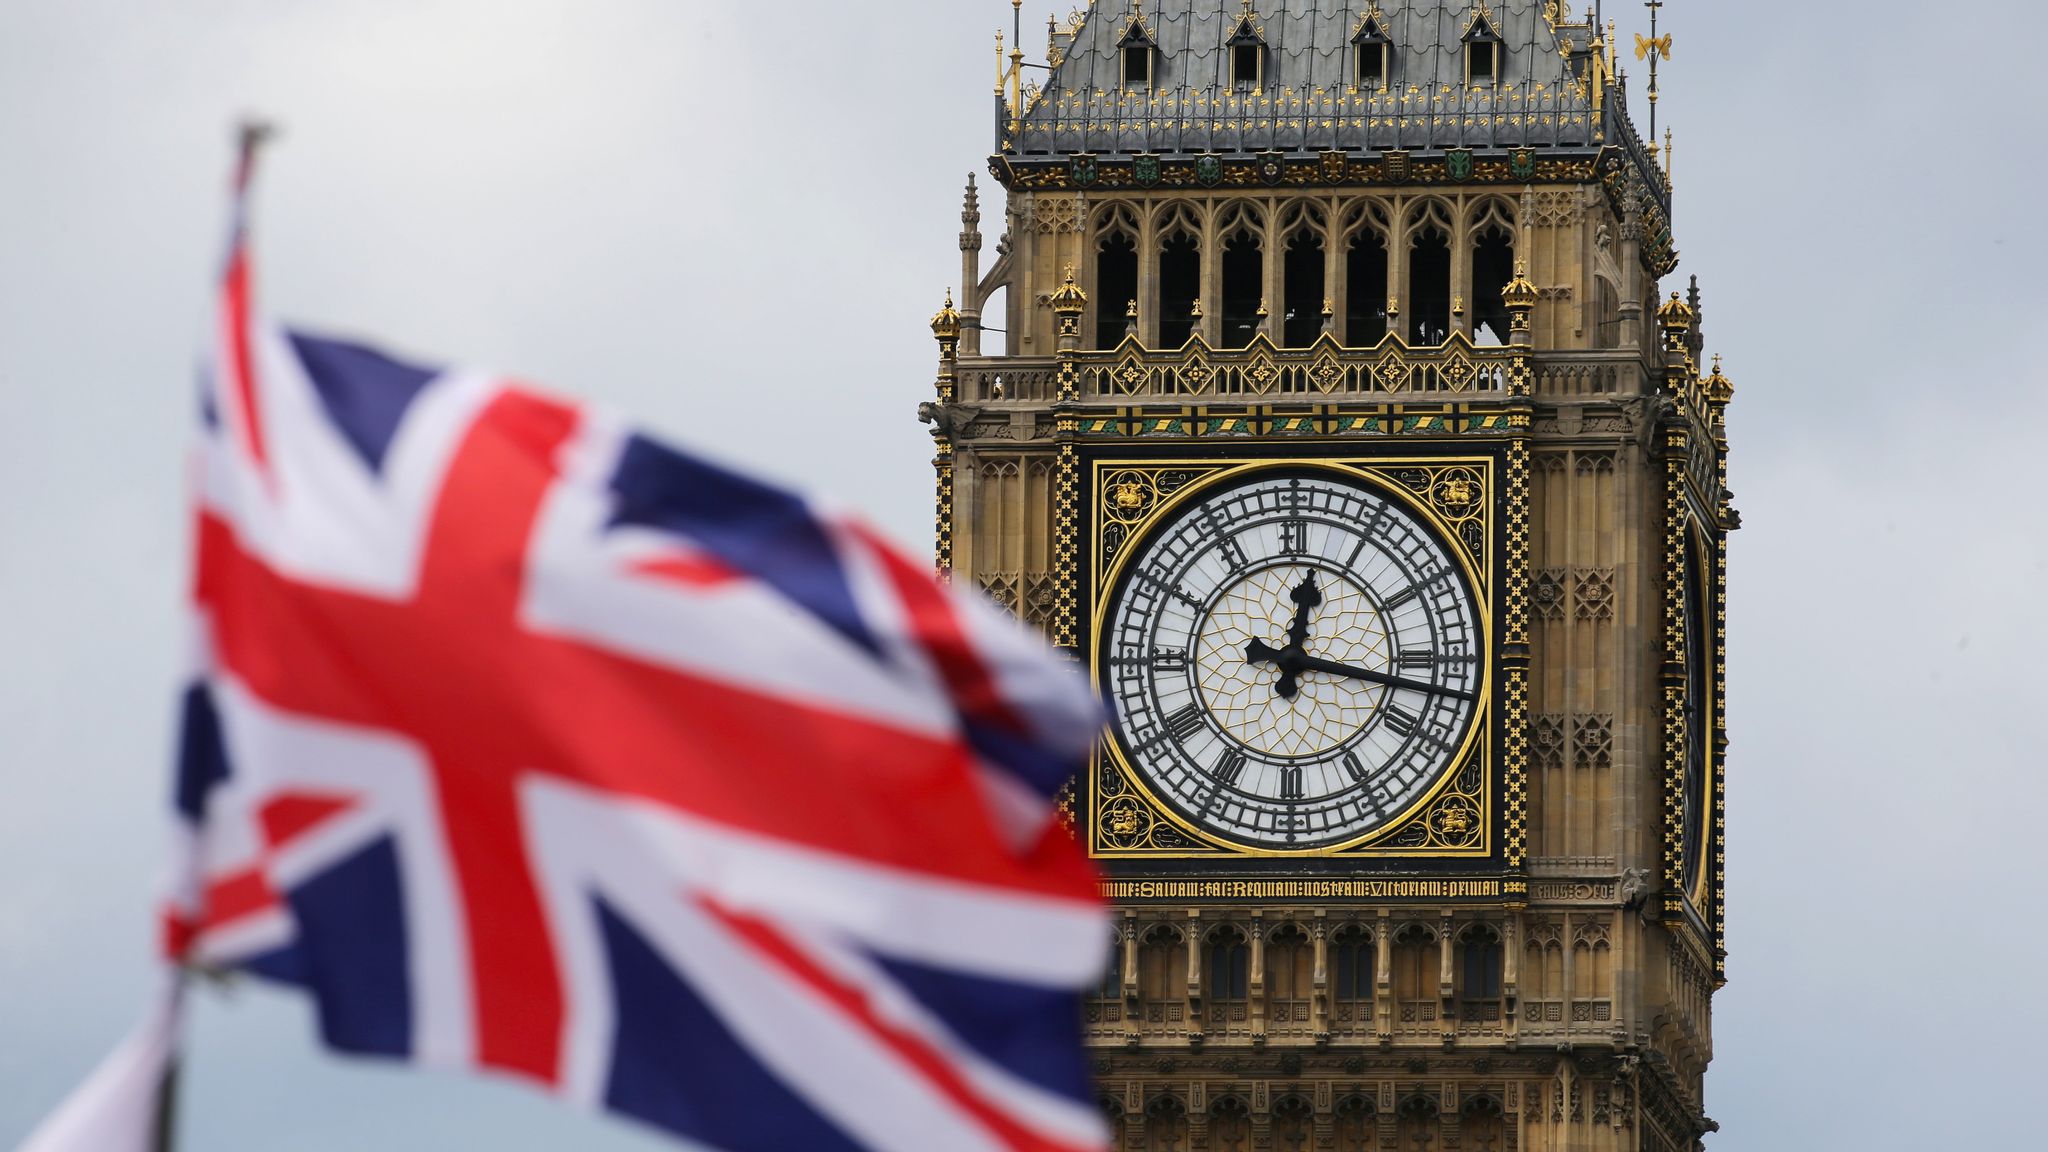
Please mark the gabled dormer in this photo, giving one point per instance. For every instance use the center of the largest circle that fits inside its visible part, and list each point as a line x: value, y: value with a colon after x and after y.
x: 1483, y: 50
x: 1372, y: 54
x: 1137, y: 54
x: 1247, y: 51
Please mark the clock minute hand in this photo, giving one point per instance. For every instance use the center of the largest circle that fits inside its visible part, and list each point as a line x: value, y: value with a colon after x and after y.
x: 1308, y: 663
x: 1307, y: 598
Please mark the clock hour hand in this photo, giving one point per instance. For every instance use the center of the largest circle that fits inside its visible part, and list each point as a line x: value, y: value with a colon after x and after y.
x: 1260, y: 652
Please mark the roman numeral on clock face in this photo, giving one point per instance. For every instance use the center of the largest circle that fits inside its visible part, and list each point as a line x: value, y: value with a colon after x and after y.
x: 1290, y: 783
x: 1416, y: 658
x: 1232, y: 551
x: 1229, y: 767
x: 1354, y: 767
x: 1294, y: 537
x: 1158, y: 585
x: 1185, y: 723
x: 1401, y: 721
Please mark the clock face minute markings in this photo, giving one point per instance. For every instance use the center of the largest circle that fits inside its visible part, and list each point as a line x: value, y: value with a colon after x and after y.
x: 1325, y: 664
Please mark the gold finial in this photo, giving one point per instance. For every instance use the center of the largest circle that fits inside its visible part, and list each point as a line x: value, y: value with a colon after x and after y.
x: 1457, y: 305
x: 946, y: 322
x: 1262, y: 309
x: 1669, y: 166
x: 999, y: 62
x: 1131, y: 309
x: 1675, y: 315
x: 1519, y: 293
x: 1195, y: 309
x: 1068, y: 299
x: 1329, y: 306
x: 1717, y: 387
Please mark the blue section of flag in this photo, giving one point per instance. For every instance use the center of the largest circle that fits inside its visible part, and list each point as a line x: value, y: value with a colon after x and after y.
x: 1025, y: 757
x: 1033, y: 1033
x: 366, y: 392
x: 202, y: 754
x: 675, y: 1064
x: 351, y: 952
x: 762, y: 531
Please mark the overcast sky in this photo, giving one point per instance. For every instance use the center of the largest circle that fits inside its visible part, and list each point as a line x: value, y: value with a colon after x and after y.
x: 733, y: 220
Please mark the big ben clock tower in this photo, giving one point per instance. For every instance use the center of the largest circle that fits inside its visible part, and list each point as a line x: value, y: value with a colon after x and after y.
x: 1342, y: 432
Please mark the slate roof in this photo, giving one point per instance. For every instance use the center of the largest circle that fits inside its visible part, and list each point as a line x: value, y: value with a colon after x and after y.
x: 1307, y: 102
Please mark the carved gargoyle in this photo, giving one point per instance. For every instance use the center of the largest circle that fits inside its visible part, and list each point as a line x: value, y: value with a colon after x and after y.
x: 948, y: 420
x: 1635, y: 888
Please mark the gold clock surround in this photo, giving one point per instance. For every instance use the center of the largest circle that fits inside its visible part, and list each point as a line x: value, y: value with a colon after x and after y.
x: 1458, y: 497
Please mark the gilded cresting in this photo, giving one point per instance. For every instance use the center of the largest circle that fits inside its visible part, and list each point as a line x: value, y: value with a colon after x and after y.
x: 1407, y: 254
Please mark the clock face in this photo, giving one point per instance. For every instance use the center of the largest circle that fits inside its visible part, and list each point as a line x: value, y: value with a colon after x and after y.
x: 1292, y: 661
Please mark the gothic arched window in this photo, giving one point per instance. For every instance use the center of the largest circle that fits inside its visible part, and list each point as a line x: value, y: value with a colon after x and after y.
x: 1479, y: 957
x: 1419, y: 1124
x: 1479, y: 964
x: 1493, y: 265
x: 1293, y: 1125
x: 1415, y: 968
x: 1226, y: 970
x: 1482, y: 1126
x: 1290, y: 978
x: 1162, y: 966
x: 1166, y: 1125
x: 1230, y: 1125
x: 1356, y: 1130
x: 1351, y: 963
x: 1244, y: 273
x: 1116, y: 275
x: 1180, y: 277
x: 1302, y: 277
x: 1365, y: 277
x: 1429, y: 277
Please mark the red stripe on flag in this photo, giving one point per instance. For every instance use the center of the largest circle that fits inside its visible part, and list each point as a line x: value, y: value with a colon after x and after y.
x: 686, y: 570
x: 291, y: 814
x: 241, y: 356
x: 937, y: 628
x: 935, y: 1066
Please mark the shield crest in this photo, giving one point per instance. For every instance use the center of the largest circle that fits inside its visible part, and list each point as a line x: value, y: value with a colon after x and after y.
x: 1208, y: 169
x: 1522, y: 163
x: 1458, y: 162
x: 1271, y: 169
x: 1084, y: 172
x: 1335, y: 166
x: 1145, y: 170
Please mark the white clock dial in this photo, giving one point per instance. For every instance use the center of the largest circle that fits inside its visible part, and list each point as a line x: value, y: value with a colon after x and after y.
x: 1293, y: 660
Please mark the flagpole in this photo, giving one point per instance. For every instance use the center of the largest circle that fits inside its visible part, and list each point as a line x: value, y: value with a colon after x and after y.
x: 165, y: 1134
x: 251, y: 134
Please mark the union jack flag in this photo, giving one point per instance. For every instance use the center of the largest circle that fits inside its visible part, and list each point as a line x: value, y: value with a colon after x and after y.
x: 524, y: 742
